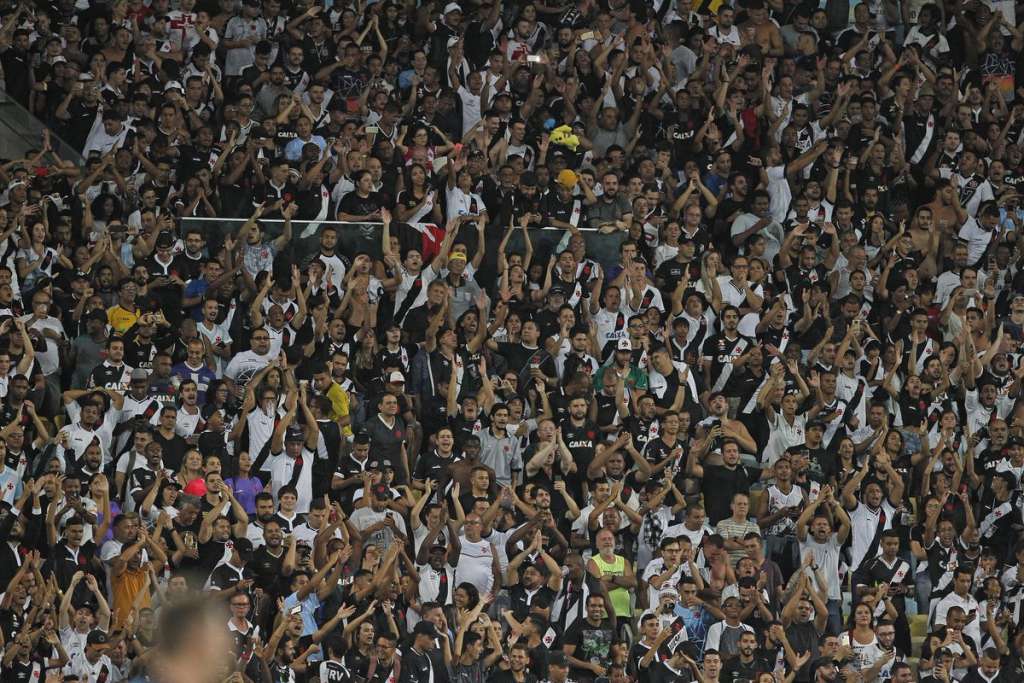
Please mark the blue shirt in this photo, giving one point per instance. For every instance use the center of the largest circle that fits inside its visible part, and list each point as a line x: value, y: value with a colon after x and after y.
x: 10, y: 485
x: 309, y: 607
x: 202, y: 377
x: 196, y: 288
x: 293, y: 150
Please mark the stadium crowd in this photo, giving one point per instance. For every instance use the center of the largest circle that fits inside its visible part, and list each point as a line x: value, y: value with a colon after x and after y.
x: 512, y: 342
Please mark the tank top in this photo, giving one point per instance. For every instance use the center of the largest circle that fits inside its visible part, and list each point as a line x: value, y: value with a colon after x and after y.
x: 777, y: 500
x: 619, y: 595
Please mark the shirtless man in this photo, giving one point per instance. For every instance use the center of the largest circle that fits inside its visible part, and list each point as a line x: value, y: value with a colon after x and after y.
x: 947, y: 214
x: 926, y: 239
x: 766, y: 34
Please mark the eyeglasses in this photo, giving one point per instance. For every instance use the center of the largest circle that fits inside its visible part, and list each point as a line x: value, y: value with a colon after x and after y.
x: 261, y: 338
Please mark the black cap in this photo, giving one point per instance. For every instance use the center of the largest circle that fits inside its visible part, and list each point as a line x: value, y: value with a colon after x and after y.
x: 294, y: 433
x: 96, y: 637
x: 558, y: 659
x: 361, y: 437
x: 381, y: 492
x: 243, y: 546
x: 439, y: 548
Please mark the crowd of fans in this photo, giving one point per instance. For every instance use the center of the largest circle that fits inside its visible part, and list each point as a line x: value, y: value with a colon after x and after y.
x: 494, y: 342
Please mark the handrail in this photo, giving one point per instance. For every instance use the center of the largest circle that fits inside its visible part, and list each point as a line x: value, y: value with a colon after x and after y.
x: 29, y: 130
x: 328, y: 222
x: 359, y: 236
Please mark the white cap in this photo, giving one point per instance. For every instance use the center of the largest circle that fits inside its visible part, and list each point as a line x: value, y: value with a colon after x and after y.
x: 624, y: 344
x: 173, y: 85
x: 396, y: 378
x: 452, y: 7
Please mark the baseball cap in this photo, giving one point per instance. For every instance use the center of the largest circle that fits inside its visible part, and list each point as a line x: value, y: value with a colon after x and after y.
x: 457, y: 256
x: 294, y: 433
x: 243, y: 546
x: 173, y: 85
x: 396, y: 378
x: 165, y: 240
x: 452, y: 7
x: 139, y: 373
x: 381, y: 492
x: 558, y: 290
x: 624, y: 345
x: 558, y: 659
x: 96, y: 638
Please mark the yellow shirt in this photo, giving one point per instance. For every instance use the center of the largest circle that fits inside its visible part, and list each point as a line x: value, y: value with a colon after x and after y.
x: 121, y: 319
x: 619, y: 595
x: 339, y: 405
x: 125, y: 588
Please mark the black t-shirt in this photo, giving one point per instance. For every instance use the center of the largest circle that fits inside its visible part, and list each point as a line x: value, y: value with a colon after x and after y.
x: 434, y: 466
x: 173, y: 449
x: 593, y: 644
x: 355, y: 205
x: 581, y: 441
x: 720, y: 484
x: 523, y: 601
x: 670, y: 274
x: 721, y: 350
x: 225, y: 576
x: 518, y: 355
x: 637, y: 653
x: 661, y: 672
x: 735, y: 670
x: 20, y: 671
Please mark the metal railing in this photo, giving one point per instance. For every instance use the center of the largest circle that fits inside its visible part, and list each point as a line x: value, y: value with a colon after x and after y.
x: 366, y: 237
x: 21, y: 132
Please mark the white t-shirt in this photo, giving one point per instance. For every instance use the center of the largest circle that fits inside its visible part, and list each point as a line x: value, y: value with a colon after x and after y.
x: 779, y: 191
x: 977, y: 239
x: 245, y: 364
x: 826, y: 557
x: 476, y: 564
x: 218, y: 334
